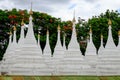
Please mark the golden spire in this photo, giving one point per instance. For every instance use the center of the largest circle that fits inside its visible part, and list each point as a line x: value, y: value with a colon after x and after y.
x: 31, y: 12
x: 74, y: 17
x: 58, y: 27
x: 109, y: 22
x: 38, y: 35
x: 119, y: 33
x: 22, y: 23
x: 47, y: 31
x: 90, y: 29
x: 101, y: 36
x: 14, y: 28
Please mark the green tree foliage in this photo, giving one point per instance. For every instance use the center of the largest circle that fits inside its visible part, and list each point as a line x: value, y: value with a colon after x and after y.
x: 100, y: 25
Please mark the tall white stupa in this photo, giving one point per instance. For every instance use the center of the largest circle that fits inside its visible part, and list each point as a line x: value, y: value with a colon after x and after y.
x: 73, y: 58
x: 58, y: 51
x: 20, y: 42
x: 58, y: 54
x: 47, y: 50
x: 109, y: 57
x: 47, y: 53
x: 4, y: 62
x: 9, y: 44
x: 12, y: 45
x: 90, y: 57
x: 30, y: 61
x: 22, y: 36
x: 8, y: 58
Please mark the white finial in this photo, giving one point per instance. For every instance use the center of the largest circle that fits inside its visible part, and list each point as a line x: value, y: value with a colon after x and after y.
x: 74, y: 16
x: 31, y: 10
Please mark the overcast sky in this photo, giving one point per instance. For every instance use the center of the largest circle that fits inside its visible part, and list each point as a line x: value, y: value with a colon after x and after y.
x: 64, y: 8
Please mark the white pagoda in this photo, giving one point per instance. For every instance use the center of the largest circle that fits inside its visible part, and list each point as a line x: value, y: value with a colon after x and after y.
x: 90, y: 57
x: 29, y: 60
x: 109, y: 59
x: 58, y: 54
x: 47, y: 53
x: 73, y: 58
x: 8, y: 58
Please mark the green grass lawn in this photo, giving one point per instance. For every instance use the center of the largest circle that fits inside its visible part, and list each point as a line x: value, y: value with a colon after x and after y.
x: 59, y: 78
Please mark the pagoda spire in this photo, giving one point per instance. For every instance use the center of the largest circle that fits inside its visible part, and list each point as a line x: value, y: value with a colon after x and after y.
x: 74, y: 17
x: 58, y: 51
x: 73, y: 42
x: 14, y: 34
x: 101, y: 46
x: 31, y: 12
x: 110, y: 42
x: 58, y: 38
x: 22, y: 32
x: 90, y: 50
x: 10, y: 41
x: 47, y: 50
x: 38, y: 39
x: 10, y: 37
x: 64, y: 46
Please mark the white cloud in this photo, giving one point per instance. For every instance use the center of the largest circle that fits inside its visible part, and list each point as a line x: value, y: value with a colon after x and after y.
x: 6, y: 4
x: 64, y: 8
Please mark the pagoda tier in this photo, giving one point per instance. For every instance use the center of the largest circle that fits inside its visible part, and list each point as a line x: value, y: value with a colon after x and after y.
x: 109, y: 59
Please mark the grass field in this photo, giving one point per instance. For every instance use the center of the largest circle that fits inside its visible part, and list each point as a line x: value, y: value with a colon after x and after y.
x: 59, y: 78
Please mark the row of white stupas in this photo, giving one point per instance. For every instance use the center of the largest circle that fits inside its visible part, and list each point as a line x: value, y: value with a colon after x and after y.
x: 26, y: 58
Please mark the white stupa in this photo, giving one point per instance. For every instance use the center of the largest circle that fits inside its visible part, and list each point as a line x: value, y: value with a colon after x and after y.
x: 47, y: 52
x: 30, y: 61
x: 20, y: 42
x: 11, y: 46
x: 22, y: 36
x: 108, y: 59
x: 8, y: 58
x: 58, y: 54
x: 58, y: 51
x: 90, y: 57
x: 73, y: 58
x: 101, y: 46
x: 38, y: 43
